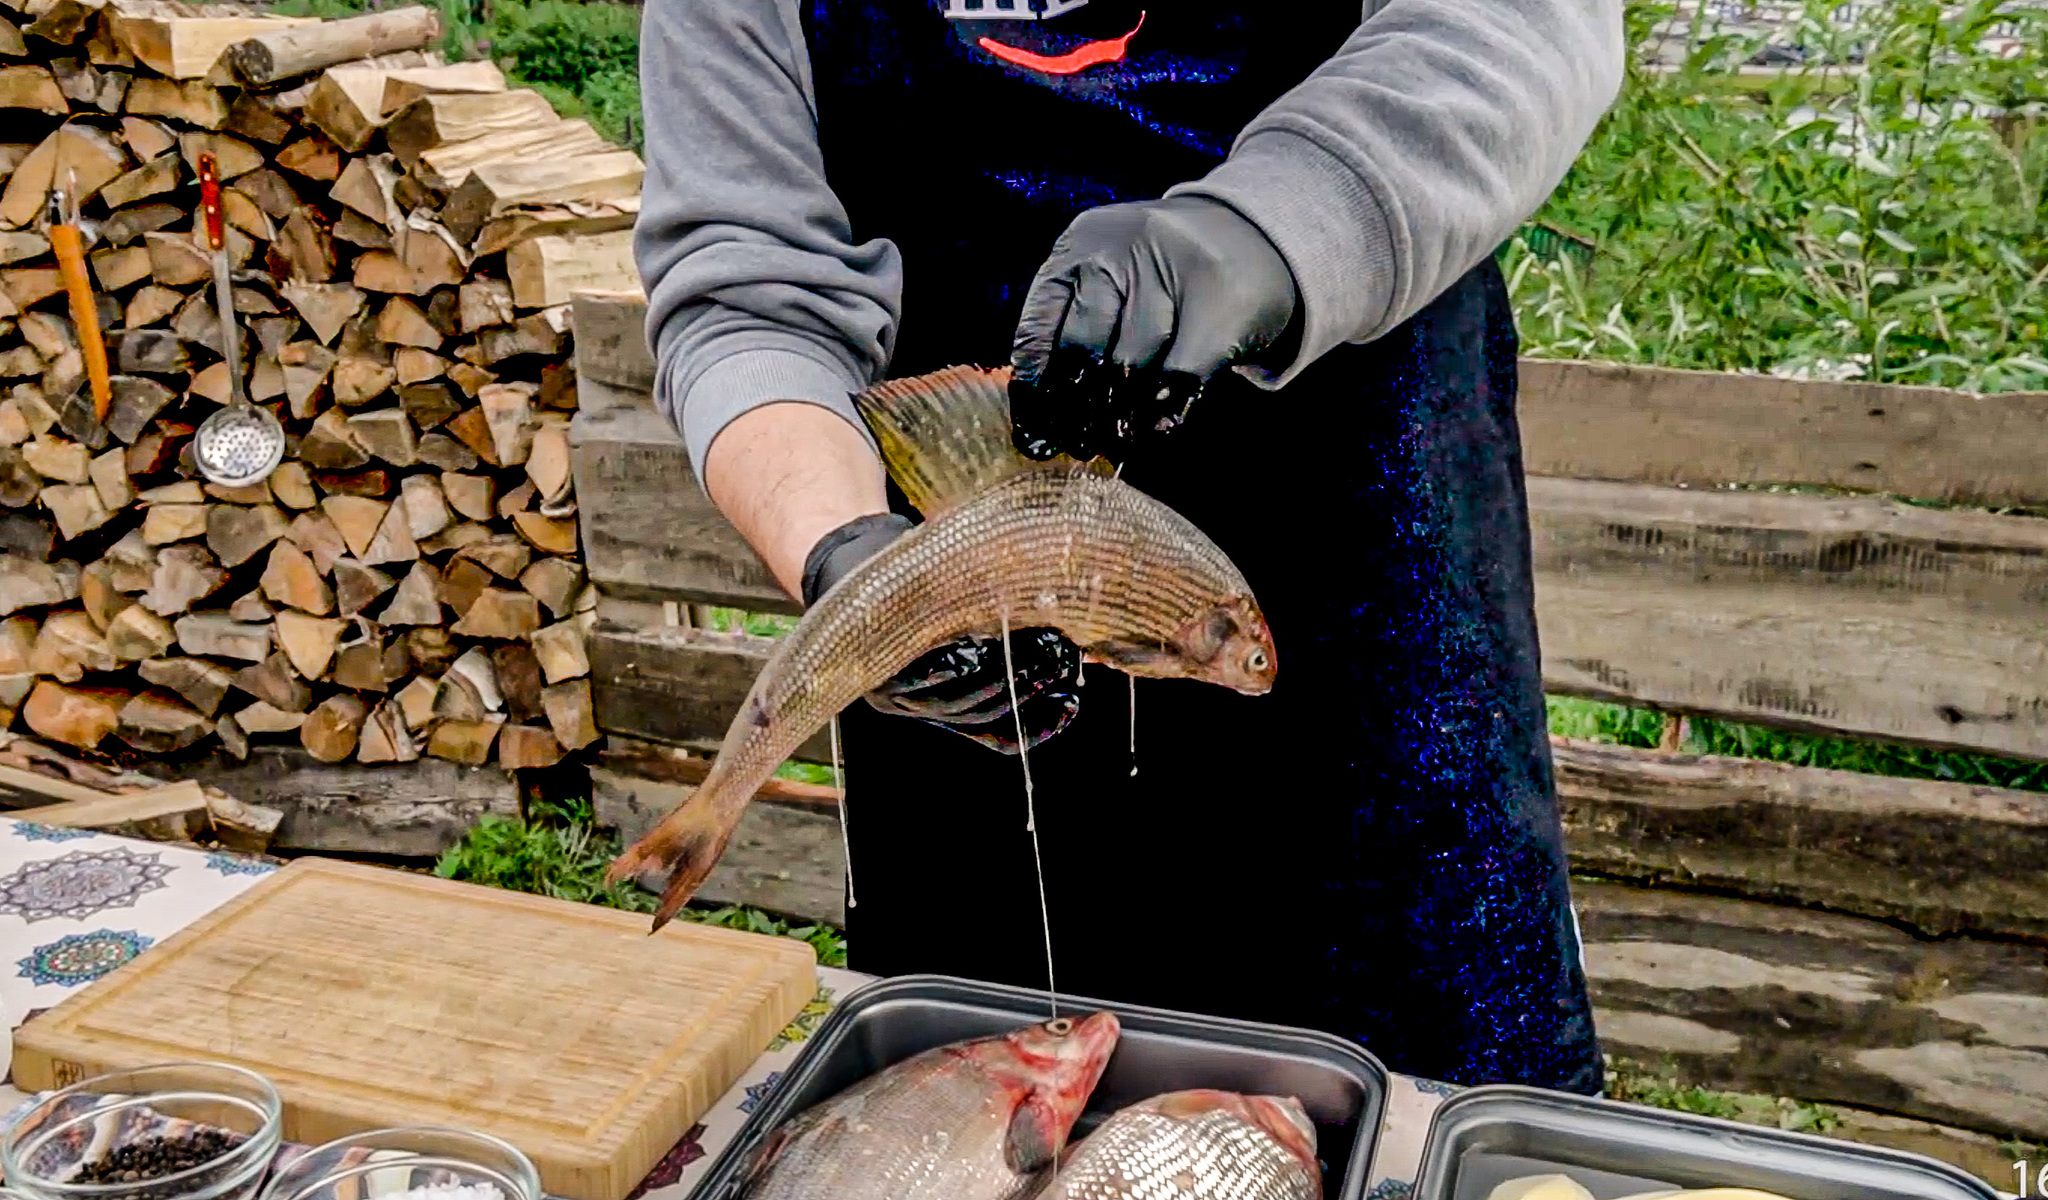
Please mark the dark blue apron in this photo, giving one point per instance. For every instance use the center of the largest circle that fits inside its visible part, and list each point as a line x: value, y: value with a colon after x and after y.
x: 1373, y: 848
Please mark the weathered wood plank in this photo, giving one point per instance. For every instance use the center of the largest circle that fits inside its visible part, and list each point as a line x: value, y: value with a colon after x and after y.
x: 784, y: 859
x: 678, y: 686
x: 1943, y: 857
x: 419, y: 810
x: 1702, y: 428
x: 1763, y: 998
x: 649, y: 531
x: 1851, y: 615
x: 1654, y: 425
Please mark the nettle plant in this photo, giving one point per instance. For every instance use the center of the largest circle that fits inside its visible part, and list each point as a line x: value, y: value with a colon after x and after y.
x: 1875, y: 212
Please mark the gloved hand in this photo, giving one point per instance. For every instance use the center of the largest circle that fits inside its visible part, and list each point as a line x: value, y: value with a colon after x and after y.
x: 1137, y: 307
x: 960, y: 686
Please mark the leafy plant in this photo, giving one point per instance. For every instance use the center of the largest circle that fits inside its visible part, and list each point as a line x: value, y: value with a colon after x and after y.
x: 1888, y: 230
x: 558, y: 850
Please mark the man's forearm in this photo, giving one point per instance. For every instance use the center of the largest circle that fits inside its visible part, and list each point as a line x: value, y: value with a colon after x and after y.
x: 787, y: 474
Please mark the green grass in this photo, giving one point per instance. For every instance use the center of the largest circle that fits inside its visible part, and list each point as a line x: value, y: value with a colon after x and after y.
x: 1595, y: 721
x: 1638, y: 1084
x: 1891, y: 230
x: 558, y: 850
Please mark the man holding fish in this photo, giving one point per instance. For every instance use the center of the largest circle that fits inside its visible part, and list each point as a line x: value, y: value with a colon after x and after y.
x: 1243, y: 252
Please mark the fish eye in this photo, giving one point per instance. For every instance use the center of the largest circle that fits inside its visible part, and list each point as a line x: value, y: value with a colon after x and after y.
x: 1060, y: 1027
x: 1256, y: 660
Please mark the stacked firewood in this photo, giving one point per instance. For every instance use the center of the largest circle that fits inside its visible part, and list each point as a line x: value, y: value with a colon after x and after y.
x: 404, y: 235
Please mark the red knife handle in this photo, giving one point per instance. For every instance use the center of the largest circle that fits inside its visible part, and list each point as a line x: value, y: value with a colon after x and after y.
x: 209, y: 201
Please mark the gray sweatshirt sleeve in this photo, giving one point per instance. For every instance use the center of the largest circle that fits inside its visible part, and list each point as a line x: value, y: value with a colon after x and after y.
x: 1392, y: 170
x: 756, y: 291
x: 1411, y: 154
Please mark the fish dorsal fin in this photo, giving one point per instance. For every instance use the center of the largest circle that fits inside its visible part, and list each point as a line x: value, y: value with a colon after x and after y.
x: 946, y: 436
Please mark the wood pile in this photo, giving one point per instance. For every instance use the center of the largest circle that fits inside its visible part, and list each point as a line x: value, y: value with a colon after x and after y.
x: 404, y: 233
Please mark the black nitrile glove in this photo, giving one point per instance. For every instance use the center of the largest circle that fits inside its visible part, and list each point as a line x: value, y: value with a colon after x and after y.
x: 960, y: 686
x: 1138, y: 306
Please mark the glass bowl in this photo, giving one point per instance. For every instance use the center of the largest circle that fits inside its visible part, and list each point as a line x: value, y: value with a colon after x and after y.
x: 390, y: 1162
x: 79, y: 1142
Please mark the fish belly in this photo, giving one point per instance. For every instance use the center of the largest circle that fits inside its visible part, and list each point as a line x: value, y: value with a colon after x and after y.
x: 1143, y: 1155
x: 930, y: 1133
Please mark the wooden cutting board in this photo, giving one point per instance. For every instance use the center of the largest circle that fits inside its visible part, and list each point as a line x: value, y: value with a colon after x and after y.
x: 373, y: 997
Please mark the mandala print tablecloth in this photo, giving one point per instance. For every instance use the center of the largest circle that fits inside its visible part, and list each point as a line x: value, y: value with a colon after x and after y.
x: 75, y: 905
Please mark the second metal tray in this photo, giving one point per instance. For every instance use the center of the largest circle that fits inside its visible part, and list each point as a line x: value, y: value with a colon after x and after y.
x: 1485, y: 1136
x: 1343, y: 1087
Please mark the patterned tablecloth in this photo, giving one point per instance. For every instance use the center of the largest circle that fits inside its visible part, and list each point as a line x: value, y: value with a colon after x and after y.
x: 75, y: 905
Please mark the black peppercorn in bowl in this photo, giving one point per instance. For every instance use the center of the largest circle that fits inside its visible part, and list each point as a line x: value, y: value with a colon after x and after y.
x: 180, y: 1131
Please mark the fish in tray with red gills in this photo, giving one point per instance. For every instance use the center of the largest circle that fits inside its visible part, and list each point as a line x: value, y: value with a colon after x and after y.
x: 1007, y: 543
x: 1195, y: 1145
x: 976, y: 1120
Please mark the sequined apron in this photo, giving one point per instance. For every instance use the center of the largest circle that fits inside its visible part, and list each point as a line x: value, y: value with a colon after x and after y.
x: 1371, y: 849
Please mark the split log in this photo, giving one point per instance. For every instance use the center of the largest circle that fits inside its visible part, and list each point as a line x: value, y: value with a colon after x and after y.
x: 437, y: 120
x: 447, y: 167
x: 150, y: 305
x: 236, y: 534
x: 525, y: 746
x: 138, y: 634
x: 331, y: 445
x: 271, y: 57
x: 80, y: 717
x: 357, y: 518
x: 385, y: 738
x: 203, y: 684
x: 327, y: 307
x: 546, y: 271
x: 304, y: 250
x: 32, y: 88
x: 561, y: 653
x: 155, y: 177
x: 534, y: 334
x: 570, y: 713
x: 232, y: 156
x: 32, y: 583
x: 494, y: 188
x: 255, y: 116
x: 394, y: 542
x: 421, y: 263
x: 129, y: 224
x: 440, y: 450
x: 416, y: 602
x: 188, y: 47
x: 498, y: 613
x: 158, y: 724
x: 386, y: 434
x: 117, y: 268
x: 262, y: 717
x: 331, y: 730
x: 309, y: 641
x: 403, y: 87
x: 91, y: 159
x: 189, y: 102
x: 315, y: 158
x: 181, y: 576
x: 548, y: 534
x: 220, y: 636
x: 290, y: 579
x: 292, y: 486
x: 175, y: 262
x: 517, y: 224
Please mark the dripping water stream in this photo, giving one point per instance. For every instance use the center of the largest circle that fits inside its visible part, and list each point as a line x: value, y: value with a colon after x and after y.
x: 845, y: 838
x: 1052, y: 995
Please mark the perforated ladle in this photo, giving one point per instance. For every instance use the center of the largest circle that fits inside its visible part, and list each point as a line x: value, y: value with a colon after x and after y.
x: 242, y: 443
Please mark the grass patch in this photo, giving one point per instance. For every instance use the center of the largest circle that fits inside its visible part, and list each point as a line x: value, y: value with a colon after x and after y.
x: 1888, y: 230
x: 1591, y: 720
x: 558, y: 850
x: 1638, y: 1084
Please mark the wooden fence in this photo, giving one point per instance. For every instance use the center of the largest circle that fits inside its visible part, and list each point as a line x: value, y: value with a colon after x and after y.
x: 1829, y: 935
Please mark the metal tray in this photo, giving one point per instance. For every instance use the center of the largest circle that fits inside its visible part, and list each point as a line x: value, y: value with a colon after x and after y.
x: 1343, y: 1087
x: 1485, y: 1136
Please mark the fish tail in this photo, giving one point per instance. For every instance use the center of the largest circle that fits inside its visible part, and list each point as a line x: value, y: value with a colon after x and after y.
x: 688, y: 842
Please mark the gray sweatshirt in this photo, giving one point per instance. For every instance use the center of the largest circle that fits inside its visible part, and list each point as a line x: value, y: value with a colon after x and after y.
x: 1383, y: 177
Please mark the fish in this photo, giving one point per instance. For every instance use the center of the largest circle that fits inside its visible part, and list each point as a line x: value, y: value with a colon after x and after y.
x: 1195, y: 1145
x: 976, y: 1120
x: 1007, y: 543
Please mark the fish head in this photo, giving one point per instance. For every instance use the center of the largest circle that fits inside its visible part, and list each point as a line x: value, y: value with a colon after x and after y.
x: 1230, y: 645
x: 1226, y: 643
x: 1049, y: 1069
x: 1281, y: 1118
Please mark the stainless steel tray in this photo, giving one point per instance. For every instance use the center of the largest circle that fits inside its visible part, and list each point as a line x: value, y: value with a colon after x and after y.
x: 1343, y: 1087
x: 1485, y: 1136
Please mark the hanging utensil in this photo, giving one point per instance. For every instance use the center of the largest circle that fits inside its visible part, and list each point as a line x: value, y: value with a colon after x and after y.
x: 68, y: 240
x: 241, y: 444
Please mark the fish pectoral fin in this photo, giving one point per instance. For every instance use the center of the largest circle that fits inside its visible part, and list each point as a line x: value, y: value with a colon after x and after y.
x: 1033, y: 1137
x: 771, y: 1146
x: 1138, y: 658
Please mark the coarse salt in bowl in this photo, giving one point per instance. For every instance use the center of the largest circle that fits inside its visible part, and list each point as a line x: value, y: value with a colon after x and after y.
x: 177, y: 1131
x: 413, y: 1162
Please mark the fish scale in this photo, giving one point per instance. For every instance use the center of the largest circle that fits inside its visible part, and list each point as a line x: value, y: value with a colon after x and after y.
x: 1007, y: 544
x: 1144, y: 1154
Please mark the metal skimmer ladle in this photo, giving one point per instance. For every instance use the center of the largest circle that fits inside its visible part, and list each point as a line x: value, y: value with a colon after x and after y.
x: 241, y: 444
